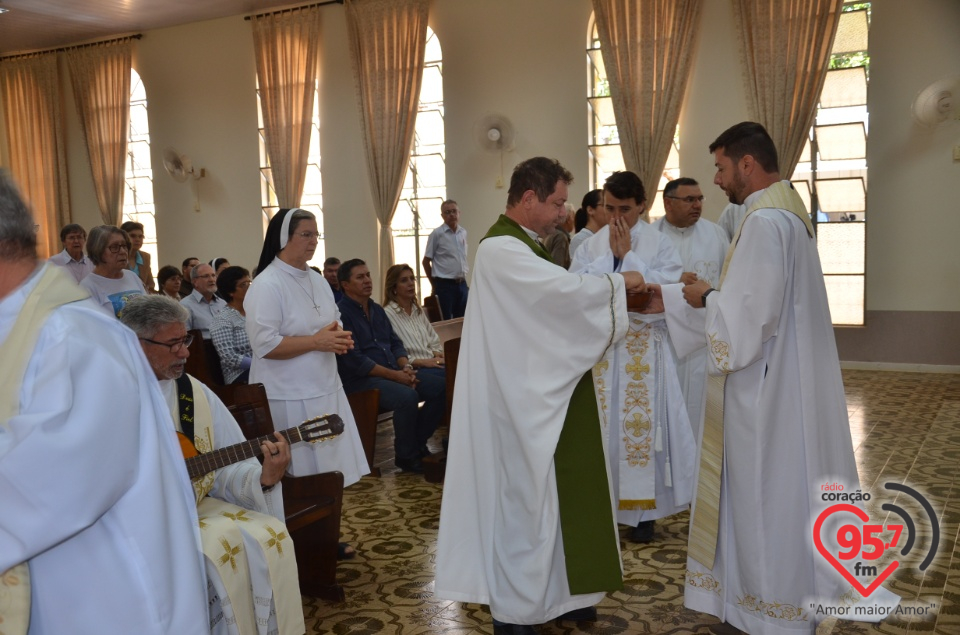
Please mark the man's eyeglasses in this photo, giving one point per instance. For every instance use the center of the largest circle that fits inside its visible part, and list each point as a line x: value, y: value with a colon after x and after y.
x: 175, y: 347
x: 308, y: 235
x: 115, y: 249
x: 689, y: 200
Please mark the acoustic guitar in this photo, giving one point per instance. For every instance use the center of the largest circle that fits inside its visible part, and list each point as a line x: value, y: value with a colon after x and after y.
x: 314, y: 430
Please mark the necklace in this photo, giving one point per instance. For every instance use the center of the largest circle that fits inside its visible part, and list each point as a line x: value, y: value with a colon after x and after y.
x: 309, y: 294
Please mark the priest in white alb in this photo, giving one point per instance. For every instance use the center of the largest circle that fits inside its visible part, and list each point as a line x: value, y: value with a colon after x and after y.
x: 527, y: 521
x: 98, y: 527
x: 702, y: 246
x: 250, y: 562
x: 776, y: 425
x: 650, y: 442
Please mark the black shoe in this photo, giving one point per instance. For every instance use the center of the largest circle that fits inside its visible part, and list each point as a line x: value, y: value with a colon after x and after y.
x: 425, y: 452
x: 502, y: 628
x: 586, y: 614
x: 643, y: 532
x: 410, y: 465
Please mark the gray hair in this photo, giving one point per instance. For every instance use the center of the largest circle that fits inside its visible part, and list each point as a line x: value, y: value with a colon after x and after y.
x: 18, y: 240
x: 147, y: 314
x: 99, y: 238
x: 194, y: 272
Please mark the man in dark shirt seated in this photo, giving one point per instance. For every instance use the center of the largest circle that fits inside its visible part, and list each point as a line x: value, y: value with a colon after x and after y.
x: 378, y: 360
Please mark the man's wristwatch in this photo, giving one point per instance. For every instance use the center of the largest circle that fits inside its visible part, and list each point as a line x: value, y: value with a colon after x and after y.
x: 703, y: 298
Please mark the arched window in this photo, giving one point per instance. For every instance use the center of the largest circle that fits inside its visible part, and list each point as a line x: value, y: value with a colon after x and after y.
x: 603, y: 143
x: 138, y: 192
x: 312, y: 197
x: 832, y: 173
x: 425, y: 186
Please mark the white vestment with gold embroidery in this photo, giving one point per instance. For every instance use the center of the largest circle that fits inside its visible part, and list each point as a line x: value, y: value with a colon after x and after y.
x: 650, y: 442
x: 702, y: 248
x: 785, y: 429
x: 250, y: 561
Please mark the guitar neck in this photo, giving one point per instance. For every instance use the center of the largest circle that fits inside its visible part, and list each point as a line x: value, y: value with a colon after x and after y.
x: 205, y: 463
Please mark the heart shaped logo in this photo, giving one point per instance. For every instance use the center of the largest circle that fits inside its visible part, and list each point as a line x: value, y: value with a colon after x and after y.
x: 850, y: 537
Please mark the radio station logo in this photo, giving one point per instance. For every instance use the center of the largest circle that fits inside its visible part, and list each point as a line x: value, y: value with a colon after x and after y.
x: 857, y: 548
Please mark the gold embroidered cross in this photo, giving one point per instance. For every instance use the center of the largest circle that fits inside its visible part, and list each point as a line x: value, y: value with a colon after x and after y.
x: 240, y: 516
x: 276, y: 540
x: 229, y: 554
x: 637, y: 369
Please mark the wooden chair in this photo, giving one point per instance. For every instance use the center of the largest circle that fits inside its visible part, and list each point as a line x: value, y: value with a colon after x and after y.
x: 451, y: 353
x: 365, y: 405
x: 204, y: 362
x: 431, y: 304
x: 312, y: 504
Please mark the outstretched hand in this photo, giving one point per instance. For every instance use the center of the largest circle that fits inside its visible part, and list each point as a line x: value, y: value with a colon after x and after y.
x: 656, y: 302
x: 693, y: 293
x: 633, y: 281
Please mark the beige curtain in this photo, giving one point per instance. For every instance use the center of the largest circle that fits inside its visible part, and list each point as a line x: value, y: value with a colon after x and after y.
x: 785, y: 47
x: 100, y: 75
x: 287, y: 48
x: 647, y: 51
x: 31, y: 104
x: 387, y: 42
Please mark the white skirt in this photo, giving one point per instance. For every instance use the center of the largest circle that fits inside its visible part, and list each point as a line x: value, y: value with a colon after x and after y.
x: 343, y: 454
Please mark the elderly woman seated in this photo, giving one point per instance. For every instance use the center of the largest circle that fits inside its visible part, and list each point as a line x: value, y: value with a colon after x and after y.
x: 229, y: 329
x: 409, y: 321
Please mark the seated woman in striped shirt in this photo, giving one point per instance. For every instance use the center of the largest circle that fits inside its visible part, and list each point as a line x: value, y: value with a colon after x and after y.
x: 409, y: 321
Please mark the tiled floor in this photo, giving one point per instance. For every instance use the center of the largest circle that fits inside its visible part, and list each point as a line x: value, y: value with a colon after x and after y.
x: 906, y: 429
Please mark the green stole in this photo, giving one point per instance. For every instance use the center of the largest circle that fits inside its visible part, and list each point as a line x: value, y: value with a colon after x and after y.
x: 591, y: 549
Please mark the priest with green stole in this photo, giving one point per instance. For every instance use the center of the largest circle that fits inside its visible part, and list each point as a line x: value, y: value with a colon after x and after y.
x: 527, y: 521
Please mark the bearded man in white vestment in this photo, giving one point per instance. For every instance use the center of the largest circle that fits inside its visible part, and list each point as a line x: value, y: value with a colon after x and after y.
x: 650, y: 442
x: 702, y: 246
x: 95, y: 499
x: 526, y: 523
x: 251, y: 565
x: 782, y: 429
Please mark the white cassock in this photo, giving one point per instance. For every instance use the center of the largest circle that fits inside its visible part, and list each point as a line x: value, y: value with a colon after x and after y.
x: 268, y: 600
x: 785, y: 429
x: 730, y: 219
x: 93, y: 489
x: 702, y: 248
x: 650, y: 442
x: 531, y: 332
x: 286, y: 301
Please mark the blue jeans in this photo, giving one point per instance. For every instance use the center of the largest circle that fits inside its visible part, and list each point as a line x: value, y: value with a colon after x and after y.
x: 412, y: 425
x: 452, y: 296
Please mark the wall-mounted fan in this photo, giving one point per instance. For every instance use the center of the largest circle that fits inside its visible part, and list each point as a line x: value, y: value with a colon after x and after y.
x: 495, y: 133
x: 180, y: 168
x: 937, y: 102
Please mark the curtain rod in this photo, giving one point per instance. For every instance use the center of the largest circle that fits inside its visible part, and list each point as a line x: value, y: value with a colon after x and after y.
x: 292, y: 9
x: 135, y: 36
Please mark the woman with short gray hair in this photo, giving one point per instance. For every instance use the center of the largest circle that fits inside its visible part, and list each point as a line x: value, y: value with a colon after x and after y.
x: 111, y: 283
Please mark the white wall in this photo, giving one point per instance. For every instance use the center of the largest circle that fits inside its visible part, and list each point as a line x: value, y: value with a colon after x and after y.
x: 526, y: 61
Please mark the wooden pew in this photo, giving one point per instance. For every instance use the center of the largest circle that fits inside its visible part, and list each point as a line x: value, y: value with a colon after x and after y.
x: 312, y: 504
x: 204, y: 362
x: 365, y: 405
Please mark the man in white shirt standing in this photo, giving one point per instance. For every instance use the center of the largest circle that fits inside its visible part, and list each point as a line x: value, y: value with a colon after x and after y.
x: 72, y: 257
x: 204, y: 304
x: 445, y: 262
x: 702, y: 245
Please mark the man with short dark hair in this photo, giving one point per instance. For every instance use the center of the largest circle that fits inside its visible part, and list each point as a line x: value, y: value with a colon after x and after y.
x: 445, y: 262
x: 702, y: 246
x: 73, y: 237
x: 186, y: 287
x: 240, y: 504
x: 96, y: 501
x: 781, y: 429
x: 330, y: 267
x: 642, y: 396
x: 527, y: 523
x: 203, y: 303
x: 379, y: 360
